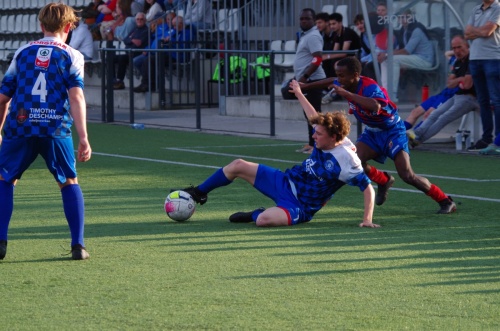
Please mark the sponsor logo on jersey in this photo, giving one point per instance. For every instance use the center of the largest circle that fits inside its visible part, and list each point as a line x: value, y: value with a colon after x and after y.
x: 22, y: 116
x: 43, y: 57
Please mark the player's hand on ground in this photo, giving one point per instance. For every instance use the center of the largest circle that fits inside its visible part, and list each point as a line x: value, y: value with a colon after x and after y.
x: 368, y: 225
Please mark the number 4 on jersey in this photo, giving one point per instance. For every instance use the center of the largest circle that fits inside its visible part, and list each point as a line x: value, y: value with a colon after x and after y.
x: 40, y: 87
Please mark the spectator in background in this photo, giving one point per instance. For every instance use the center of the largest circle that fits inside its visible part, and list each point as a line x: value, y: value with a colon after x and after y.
x: 125, y: 22
x: 161, y: 28
x: 307, y: 65
x: 380, y: 34
x: 199, y: 14
x: 81, y: 40
x: 460, y: 104
x: 152, y: 8
x: 136, y: 6
x: 172, y: 5
x: 366, y: 54
x: 483, y: 31
x: 107, y: 17
x: 344, y: 39
x: 428, y: 106
x: 322, y: 23
x: 90, y: 12
x: 416, y: 52
x: 181, y: 38
x: 138, y: 38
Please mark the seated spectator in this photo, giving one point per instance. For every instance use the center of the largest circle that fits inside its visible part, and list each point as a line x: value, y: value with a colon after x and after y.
x: 137, y: 6
x: 416, y: 52
x: 379, y: 32
x: 198, y: 14
x: 428, y: 106
x: 344, y: 39
x: 152, y: 8
x: 322, y: 23
x: 106, y: 17
x: 124, y: 23
x: 366, y: 58
x: 180, y: 38
x: 137, y: 39
x: 161, y: 28
x: 90, y: 12
x: 460, y: 104
x: 81, y: 40
x: 171, y: 5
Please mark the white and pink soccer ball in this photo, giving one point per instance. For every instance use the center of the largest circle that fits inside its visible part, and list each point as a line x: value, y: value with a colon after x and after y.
x: 179, y: 206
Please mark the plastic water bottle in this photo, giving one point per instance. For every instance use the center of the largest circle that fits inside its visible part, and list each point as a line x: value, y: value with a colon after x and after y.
x: 137, y: 126
x: 458, y: 140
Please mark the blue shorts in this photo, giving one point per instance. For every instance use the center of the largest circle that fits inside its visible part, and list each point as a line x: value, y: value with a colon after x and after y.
x: 16, y: 155
x: 386, y: 143
x: 438, y: 99
x: 275, y: 185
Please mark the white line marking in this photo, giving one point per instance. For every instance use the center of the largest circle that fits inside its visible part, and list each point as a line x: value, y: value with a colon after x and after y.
x: 217, y: 167
x: 231, y: 155
x: 236, y: 146
x: 154, y: 160
x: 295, y: 162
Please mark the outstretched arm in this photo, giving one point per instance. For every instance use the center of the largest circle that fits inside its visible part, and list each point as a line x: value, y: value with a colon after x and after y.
x: 322, y: 83
x: 306, y: 105
x: 369, y: 195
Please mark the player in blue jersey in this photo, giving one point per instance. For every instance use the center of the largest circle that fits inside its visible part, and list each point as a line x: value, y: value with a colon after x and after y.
x: 301, y: 191
x: 44, y: 88
x: 384, y: 134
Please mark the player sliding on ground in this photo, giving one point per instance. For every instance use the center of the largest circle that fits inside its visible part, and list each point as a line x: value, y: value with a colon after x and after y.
x: 301, y: 191
x: 384, y: 135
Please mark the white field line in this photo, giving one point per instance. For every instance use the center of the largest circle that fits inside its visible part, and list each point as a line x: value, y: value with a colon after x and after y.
x: 295, y: 162
x: 278, y: 160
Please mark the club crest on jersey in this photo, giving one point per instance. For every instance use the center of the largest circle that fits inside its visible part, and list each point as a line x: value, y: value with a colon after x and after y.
x: 22, y: 116
x: 329, y: 165
x: 43, y: 57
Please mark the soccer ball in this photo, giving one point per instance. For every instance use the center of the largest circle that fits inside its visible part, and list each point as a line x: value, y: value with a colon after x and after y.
x: 179, y: 206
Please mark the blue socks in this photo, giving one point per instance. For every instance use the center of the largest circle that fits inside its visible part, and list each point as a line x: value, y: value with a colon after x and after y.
x: 408, y: 126
x: 218, y: 179
x: 6, y: 207
x: 74, y: 210
x: 256, y: 214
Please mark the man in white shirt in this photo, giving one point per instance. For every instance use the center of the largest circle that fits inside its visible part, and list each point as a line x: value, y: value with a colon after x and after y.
x: 81, y: 40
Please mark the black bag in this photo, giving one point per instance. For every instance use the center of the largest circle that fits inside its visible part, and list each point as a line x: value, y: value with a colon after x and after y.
x: 285, y: 90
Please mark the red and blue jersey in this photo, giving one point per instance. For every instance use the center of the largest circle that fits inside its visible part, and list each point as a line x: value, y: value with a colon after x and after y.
x: 383, y: 119
x: 38, y: 80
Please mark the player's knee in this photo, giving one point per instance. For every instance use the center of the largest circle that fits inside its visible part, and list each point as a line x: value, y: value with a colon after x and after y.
x: 263, y: 220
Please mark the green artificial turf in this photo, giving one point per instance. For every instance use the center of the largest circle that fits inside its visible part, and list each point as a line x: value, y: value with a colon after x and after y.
x: 420, y: 271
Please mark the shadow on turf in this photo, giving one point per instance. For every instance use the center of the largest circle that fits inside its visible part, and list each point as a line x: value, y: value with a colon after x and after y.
x: 455, y: 250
